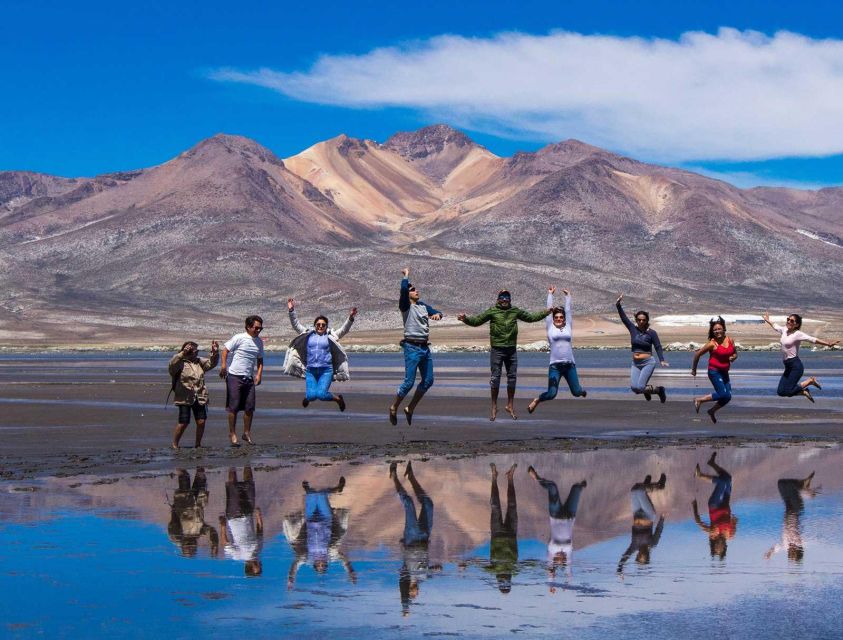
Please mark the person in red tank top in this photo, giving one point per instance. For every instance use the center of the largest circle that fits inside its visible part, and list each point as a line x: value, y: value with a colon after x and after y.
x: 722, y: 353
x: 722, y: 524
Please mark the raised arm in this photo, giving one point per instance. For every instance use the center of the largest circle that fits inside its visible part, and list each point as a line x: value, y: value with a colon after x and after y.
x: 404, y: 295
x: 548, y: 321
x: 569, y: 316
x: 774, y: 327
x: 298, y: 327
x: 212, y: 362
x: 346, y: 326
x: 626, y: 321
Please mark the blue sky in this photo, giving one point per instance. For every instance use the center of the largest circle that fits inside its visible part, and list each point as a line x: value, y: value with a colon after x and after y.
x: 97, y: 87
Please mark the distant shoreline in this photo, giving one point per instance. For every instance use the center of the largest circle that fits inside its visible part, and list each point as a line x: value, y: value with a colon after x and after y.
x: 381, y: 348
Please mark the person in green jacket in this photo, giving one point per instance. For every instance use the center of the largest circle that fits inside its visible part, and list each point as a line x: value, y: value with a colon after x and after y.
x: 503, y: 335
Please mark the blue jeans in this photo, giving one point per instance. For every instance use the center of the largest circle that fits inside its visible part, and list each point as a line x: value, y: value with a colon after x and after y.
x: 722, y: 491
x: 318, y: 383
x: 554, y: 503
x: 722, y: 386
x: 417, y: 529
x: 640, y: 372
x: 416, y: 358
x: 789, y: 383
x: 555, y: 373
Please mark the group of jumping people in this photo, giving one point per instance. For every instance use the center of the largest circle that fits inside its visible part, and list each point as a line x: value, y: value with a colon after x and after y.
x: 316, y: 355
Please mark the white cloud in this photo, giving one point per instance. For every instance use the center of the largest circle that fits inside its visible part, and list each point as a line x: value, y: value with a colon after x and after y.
x: 731, y: 95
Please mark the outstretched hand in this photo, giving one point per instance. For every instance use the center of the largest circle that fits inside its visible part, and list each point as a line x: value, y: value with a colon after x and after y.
x: 766, y: 317
x: 353, y: 312
x: 620, y: 298
x: 461, y: 317
x: 214, y: 346
x: 665, y: 363
x: 405, y: 272
x: 291, y: 304
x: 436, y: 316
x: 566, y: 292
x: 551, y: 289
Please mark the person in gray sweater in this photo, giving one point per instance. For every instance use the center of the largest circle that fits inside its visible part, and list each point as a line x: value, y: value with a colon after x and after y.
x: 416, y: 316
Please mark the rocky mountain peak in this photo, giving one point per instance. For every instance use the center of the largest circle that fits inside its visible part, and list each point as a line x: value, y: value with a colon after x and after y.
x: 222, y: 145
x: 427, y: 141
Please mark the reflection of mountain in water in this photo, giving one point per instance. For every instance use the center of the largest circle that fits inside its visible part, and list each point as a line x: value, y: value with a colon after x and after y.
x: 460, y: 490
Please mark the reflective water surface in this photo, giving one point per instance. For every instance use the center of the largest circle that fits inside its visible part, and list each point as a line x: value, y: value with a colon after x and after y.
x: 607, y: 543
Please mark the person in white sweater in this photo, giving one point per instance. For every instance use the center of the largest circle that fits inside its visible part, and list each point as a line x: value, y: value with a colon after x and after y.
x: 791, y: 337
x: 562, y: 365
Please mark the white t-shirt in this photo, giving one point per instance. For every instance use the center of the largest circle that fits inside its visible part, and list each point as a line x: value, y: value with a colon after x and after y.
x: 243, y: 539
x: 790, y: 343
x: 245, y: 352
x: 561, y: 538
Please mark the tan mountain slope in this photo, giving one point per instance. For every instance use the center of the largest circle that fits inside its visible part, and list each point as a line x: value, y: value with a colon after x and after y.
x: 371, y: 184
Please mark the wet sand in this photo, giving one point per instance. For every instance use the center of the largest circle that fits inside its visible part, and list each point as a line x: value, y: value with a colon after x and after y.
x: 104, y: 417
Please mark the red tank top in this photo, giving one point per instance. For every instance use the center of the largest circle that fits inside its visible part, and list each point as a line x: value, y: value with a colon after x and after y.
x: 719, y: 356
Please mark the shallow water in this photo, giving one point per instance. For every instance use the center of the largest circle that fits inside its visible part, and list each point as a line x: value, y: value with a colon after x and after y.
x: 133, y: 555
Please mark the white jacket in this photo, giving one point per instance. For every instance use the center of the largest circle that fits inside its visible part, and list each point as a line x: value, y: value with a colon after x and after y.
x: 294, y: 361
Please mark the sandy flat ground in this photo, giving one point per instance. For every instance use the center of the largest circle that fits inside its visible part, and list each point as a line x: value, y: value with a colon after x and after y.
x: 102, y: 417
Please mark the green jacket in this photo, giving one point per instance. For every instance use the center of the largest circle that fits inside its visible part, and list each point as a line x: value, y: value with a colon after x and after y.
x: 503, y: 323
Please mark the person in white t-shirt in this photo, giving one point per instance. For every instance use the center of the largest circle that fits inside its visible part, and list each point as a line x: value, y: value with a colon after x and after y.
x: 241, y: 528
x: 560, y: 544
x: 242, y: 376
x: 791, y: 337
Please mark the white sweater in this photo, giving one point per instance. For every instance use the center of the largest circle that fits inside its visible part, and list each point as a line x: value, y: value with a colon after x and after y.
x: 561, y: 347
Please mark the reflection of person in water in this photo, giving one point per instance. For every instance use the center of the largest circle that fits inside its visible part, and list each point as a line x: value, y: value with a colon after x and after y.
x: 722, y: 524
x: 241, y: 528
x: 503, y: 546
x: 560, y: 545
x: 316, y: 534
x: 792, y: 492
x: 187, y: 514
x: 644, y: 516
x: 415, y: 566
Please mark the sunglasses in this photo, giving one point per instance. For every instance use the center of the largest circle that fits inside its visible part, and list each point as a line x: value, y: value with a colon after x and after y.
x: 257, y: 328
x: 320, y: 324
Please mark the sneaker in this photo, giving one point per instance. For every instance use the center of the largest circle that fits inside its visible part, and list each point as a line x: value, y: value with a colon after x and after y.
x: 662, y: 394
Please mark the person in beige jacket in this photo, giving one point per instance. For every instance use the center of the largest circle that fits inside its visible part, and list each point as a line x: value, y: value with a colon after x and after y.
x: 187, y: 370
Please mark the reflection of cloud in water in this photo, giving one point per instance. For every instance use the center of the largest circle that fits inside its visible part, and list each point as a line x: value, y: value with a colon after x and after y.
x: 120, y: 560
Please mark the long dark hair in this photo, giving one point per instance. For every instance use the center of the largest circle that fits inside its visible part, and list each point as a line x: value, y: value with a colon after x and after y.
x: 642, y: 313
x: 797, y: 320
x: 714, y: 321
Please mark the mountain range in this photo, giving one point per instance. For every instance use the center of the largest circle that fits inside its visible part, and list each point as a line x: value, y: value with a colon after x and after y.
x: 226, y: 229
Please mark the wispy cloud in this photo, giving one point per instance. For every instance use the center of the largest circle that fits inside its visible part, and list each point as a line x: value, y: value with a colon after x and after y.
x: 732, y: 95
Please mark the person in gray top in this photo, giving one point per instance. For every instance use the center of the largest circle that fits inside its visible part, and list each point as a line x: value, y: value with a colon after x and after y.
x: 416, y: 316
x: 643, y: 340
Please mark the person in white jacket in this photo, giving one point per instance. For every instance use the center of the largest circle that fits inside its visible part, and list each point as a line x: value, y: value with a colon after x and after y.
x: 316, y: 355
x: 560, y: 336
